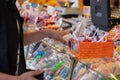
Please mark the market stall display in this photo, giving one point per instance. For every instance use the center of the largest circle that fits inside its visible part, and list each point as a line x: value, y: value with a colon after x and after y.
x: 91, y: 54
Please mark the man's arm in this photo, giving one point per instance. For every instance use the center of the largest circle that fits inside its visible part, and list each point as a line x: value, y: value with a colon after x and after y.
x: 8, y: 77
x: 25, y: 76
x: 30, y: 37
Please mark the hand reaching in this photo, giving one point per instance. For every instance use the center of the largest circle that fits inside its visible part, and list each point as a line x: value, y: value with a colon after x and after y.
x: 58, y: 35
x: 29, y: 75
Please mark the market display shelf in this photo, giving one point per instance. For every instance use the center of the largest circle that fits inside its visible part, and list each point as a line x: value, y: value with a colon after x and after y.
x: 75, y: 63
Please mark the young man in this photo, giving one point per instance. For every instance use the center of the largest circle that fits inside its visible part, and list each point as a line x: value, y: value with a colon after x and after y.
x: 11, y: 42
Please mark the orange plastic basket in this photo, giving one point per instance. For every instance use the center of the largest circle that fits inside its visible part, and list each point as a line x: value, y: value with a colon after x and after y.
x: 95, y: 50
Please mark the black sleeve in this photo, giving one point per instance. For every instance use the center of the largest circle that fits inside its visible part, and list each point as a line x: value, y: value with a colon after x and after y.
x: 3, y: 40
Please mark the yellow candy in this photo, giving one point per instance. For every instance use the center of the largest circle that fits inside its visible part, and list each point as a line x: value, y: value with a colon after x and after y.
x: 57, y: 78
x: 112, y: 32
x: 118, y: 49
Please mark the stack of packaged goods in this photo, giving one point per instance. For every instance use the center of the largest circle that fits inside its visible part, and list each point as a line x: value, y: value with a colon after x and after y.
x: 97, y: 49
x: 83, y: 72
x: 36, y: 19
x: 55, y: 64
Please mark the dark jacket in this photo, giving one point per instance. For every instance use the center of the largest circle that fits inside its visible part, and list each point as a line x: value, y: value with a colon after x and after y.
x: 10, y: 37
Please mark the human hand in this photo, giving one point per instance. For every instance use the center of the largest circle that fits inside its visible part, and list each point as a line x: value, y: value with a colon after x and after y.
x: 29, y: 75
x: 58, y: 35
